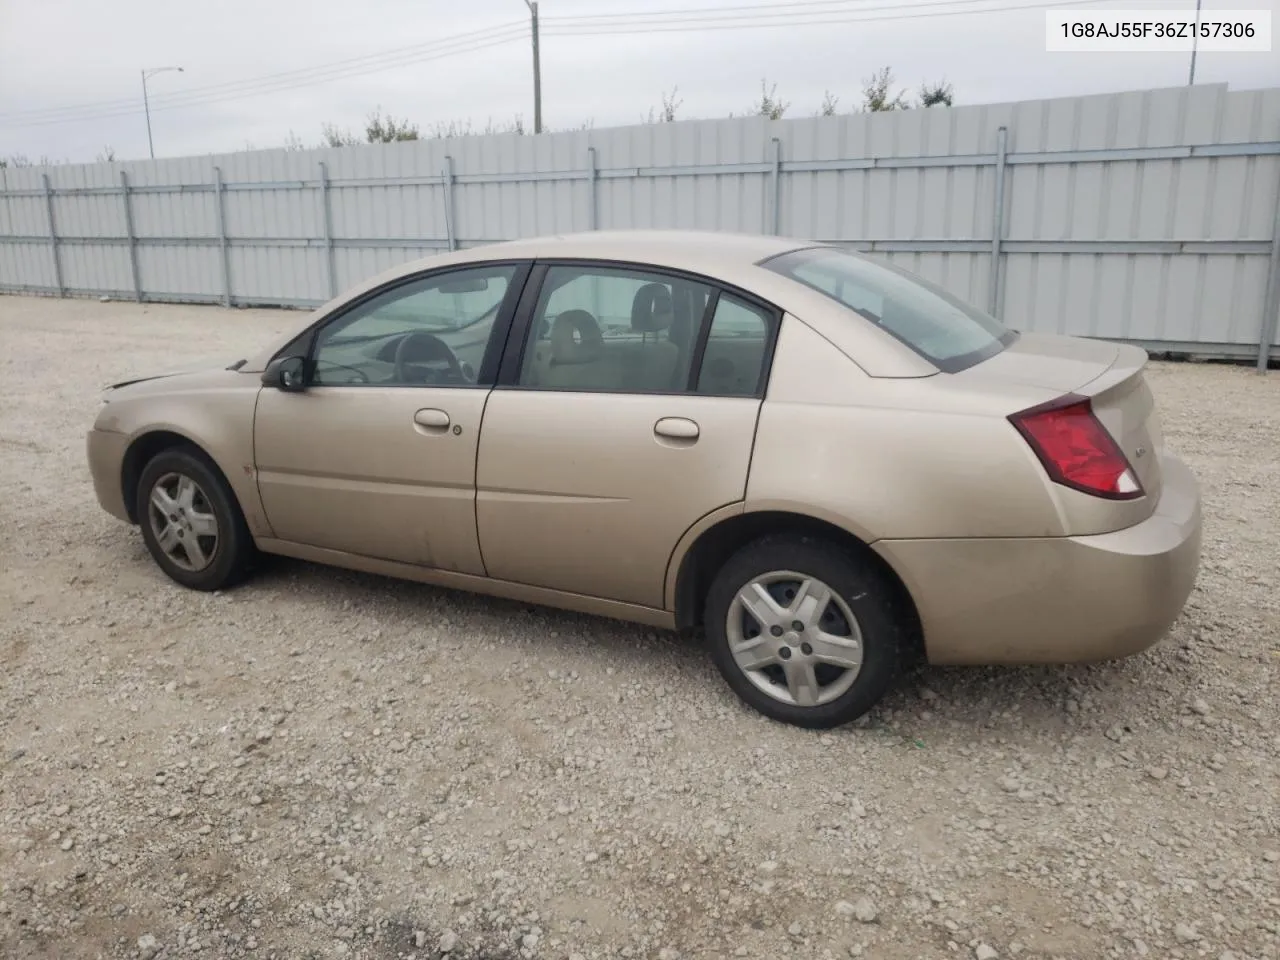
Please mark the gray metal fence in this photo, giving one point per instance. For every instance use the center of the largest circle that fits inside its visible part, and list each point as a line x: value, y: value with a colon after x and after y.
x: 1151, y: 216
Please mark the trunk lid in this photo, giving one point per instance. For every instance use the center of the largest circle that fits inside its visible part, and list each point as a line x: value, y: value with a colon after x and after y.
x: 1111, y: 376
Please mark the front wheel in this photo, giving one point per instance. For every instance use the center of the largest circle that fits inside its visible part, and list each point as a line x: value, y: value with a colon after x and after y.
x: 804, y: 632
x: 191, y: 522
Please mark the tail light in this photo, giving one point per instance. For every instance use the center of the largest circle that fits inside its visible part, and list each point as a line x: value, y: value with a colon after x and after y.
x: 1076, y: 449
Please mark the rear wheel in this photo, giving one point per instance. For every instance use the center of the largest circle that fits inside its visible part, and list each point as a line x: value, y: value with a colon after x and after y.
x: 803, y: 631
x: 191, y: 522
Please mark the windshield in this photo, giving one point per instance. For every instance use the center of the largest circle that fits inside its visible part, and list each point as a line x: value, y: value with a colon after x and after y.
x: 948, y: 332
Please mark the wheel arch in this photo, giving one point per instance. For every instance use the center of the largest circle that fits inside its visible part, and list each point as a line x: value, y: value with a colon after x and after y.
x: 145, y: 447
x: 711, y: 547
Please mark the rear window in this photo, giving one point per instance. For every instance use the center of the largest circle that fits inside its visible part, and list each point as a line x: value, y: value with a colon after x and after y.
x: 948, y: 332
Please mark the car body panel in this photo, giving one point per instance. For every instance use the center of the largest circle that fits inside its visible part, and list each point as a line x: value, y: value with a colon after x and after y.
x: 213, y: 409
x: 1058, y: 599
x: 578, y: 492
x: 105, y: 450
x: 351, y: 469
x: 888, y: 459
x: 1110, y: 376
x: 521, y: 592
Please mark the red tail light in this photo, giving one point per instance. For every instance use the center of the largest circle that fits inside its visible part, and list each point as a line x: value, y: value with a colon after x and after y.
x: 1076, y: 449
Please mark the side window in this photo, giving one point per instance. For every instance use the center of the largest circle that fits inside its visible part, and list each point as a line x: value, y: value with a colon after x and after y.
x: 733, y: 362
x: 431, y: 331
x: 614, y: 329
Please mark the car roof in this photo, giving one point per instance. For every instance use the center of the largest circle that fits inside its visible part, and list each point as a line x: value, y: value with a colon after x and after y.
x: 701, y: 251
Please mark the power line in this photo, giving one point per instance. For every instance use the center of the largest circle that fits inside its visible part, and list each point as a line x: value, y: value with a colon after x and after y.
x: 786, y: 8
x: 270, y: 83
x: 779, y: 20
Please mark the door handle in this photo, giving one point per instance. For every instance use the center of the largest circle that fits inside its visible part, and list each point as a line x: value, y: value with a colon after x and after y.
x: 676, y: 428
x: 431, y: 418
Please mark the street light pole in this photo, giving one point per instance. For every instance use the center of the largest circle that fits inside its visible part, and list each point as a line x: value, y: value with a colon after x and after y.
x: 537, y: 68
x: 1195, y: 41
x: 146, y: 106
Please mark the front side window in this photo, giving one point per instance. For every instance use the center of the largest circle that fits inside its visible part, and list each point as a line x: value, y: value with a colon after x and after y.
x: 943, y: 329
x: 431, y: 331
x: 605, y: 328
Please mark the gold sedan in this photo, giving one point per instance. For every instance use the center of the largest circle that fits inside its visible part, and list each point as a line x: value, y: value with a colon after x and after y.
x: 829, y: 464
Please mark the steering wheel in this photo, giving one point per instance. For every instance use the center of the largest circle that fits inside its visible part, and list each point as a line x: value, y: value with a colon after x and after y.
x: 434, y: 349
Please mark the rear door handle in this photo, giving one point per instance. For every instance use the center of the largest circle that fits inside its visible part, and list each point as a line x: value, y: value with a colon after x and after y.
x: 431, y: 418
x: 676, y: 428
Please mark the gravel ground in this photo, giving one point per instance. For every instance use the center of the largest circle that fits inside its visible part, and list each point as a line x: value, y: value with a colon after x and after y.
x: 325, y: 764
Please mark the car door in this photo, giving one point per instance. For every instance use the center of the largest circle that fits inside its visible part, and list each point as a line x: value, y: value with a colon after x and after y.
x: 377, y: 455
x: 607, y: 436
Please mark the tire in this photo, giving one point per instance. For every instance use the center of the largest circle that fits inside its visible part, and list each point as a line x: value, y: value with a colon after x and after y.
x: 830, y: 694
x: 197, y: 495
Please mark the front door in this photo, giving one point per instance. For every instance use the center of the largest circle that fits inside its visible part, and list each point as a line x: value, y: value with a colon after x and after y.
x: 629, y: 414
x: 377, y: 456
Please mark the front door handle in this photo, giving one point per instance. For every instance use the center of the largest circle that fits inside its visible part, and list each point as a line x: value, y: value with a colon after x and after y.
x: 676, y: 428
x: 432, y: 419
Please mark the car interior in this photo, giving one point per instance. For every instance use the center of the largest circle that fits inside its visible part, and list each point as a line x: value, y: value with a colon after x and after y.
x: 652, y: 351
x: 437, y: 335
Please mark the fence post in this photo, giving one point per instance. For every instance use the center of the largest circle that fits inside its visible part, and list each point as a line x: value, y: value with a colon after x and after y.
x: 53, y: 236
x: 449, y: 209
x: 326, y: 222
x: 1271, y: 302
x: 995, y: 287
x: 132, y: 236
x: 775, y: 176
x: 224, y: 254
x: 593, y: 211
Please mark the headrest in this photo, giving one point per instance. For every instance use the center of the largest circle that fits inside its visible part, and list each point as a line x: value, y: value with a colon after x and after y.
x: 651, y: 310
x: 681, y: 332
x: 576, y: 338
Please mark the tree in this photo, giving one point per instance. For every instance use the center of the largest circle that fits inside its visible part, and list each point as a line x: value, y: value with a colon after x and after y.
x: 333, y: 136
x: 875, y: 93
x: 108, y: 155
x: 16, y: 160
x: 388, y: 130
x: 669, y: 107
x: 769, y: 105
x: 377, y: 129
x: 294, y: 142
x: 936, y: 94
x: 444, y: 130
x: 828, y: 108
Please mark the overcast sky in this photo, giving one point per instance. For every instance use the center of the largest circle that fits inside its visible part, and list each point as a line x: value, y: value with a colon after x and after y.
x: 68, y: 53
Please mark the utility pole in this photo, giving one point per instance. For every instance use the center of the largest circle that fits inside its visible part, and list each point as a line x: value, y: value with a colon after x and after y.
x: 146, y: 106
x: 537, y: 68
x: 1195, y: 41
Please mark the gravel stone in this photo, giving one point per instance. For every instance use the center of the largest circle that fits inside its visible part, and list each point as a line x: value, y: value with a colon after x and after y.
x: 864, y: 910
x: 466, y: 821
x: 985, y: 951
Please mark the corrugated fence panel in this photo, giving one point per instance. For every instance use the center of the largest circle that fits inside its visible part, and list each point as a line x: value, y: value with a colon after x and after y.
x: 1145, y: 215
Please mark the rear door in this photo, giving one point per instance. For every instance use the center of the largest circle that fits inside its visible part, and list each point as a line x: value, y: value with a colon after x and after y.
x: 625, y: 411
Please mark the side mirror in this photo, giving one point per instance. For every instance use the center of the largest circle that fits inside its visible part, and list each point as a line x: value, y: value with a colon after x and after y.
x: 287, y: 374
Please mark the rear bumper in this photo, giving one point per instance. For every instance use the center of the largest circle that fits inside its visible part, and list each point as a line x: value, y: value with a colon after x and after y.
x: 1061, y: 599
x: 106, y: 450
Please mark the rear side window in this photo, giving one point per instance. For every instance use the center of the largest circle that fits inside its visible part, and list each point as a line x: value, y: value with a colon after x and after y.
x: 943, y: 329
x: 733, y: 359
